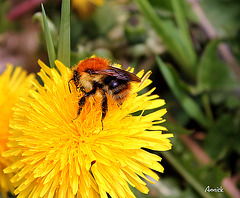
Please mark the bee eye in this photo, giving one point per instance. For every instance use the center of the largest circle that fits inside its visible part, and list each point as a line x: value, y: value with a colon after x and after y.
x: 113, y: 84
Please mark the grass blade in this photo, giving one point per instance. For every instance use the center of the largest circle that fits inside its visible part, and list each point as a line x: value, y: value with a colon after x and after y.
x: 48, y: 37
x: 64, y: 35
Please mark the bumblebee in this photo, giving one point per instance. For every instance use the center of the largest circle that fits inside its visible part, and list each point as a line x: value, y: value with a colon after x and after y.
x: 96, y: 75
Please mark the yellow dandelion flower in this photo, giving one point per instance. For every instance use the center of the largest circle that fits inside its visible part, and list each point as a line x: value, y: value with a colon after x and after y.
x: 60, y: 154
x: 12, y: 85
x: 85, y: 7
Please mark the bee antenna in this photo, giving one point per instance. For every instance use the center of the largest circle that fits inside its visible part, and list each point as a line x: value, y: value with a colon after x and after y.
x: 145, y: 77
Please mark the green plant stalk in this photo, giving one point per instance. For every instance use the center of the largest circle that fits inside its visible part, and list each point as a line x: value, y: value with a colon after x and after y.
x: 185, y: 173
x: 207, y: 107
x: 48, y: 37
x: 171, y: 42
x: 64, y: 35
x: 182, y: 23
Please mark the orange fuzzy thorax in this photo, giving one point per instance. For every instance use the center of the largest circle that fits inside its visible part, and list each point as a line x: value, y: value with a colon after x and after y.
x: 95, y: 63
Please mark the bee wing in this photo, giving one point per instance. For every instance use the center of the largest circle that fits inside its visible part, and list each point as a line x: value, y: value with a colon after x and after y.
x: 119, y: 74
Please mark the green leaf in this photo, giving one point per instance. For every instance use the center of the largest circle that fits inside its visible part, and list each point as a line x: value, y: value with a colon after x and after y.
x: 64, y: 36
x: 163, y: 4
x: 183, y: 26
x: 213, y: 73
x: 224, y: 15
x: 233, y: 102
x: 188, y: 104
x: 171, y: 37
x: 188, y: 172
x: 165, y: 9
x: 195, y: 175
x: 175, y: 128
x: 224, y: 129
x: 48, y: 37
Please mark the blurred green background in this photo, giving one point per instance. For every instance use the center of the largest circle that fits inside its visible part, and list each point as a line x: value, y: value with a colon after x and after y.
x: 193, y: 50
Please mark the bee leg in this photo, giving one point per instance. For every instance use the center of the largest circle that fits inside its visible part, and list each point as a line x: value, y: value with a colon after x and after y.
x: 82, y: 101
x: 104, y: 107
x: 69, y: 85
x: 83, y: 89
